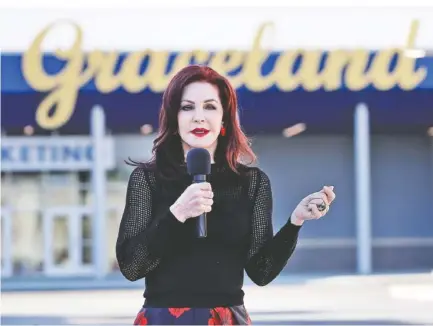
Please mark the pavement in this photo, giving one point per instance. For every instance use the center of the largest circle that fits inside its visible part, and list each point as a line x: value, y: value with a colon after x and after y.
x: 405, y: 299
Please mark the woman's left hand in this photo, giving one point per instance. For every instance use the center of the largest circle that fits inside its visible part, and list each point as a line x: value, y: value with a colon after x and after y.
x: 314, y: 206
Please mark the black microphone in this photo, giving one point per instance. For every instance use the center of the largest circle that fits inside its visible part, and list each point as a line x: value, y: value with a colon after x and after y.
x: 198, y: 165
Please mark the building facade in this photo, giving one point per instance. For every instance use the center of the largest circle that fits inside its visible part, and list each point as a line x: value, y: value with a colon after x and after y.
x: 297, y: 104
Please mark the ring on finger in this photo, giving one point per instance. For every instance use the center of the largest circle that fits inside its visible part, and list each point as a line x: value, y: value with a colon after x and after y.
x: 322, y: 207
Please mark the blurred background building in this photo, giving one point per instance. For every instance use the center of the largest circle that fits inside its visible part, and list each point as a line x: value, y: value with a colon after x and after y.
x: 337, y: 97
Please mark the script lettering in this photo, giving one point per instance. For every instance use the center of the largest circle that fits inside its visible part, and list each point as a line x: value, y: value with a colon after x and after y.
x: 307, y: 75
x: 57, y: 108
x: 225, y: 62
x: 104, y: 64
x: 251, y: 72
x: 356, y: 77
x: 310, y: 70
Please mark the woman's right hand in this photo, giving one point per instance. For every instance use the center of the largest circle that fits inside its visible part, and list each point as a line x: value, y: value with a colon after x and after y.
x: 194, y: 201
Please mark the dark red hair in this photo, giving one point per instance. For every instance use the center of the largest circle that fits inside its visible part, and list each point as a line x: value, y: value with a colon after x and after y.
x: 232, y: 149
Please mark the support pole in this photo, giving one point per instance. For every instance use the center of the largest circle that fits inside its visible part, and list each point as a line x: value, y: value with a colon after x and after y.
x: 363, y: 190
x: 99, y: 191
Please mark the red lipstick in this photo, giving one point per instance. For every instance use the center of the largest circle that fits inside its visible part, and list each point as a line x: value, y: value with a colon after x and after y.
x: 200, y: 132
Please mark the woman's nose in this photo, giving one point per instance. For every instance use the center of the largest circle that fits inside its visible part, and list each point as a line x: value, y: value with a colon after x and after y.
x: 198, y: 116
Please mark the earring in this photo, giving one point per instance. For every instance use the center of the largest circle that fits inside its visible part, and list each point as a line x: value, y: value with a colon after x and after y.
x: 223, y: 131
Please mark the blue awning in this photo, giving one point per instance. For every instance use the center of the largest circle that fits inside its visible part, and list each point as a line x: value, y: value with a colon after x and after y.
x: 324, y: 99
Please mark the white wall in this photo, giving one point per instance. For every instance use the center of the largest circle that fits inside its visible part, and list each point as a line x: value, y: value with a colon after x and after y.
x: 216, y: 28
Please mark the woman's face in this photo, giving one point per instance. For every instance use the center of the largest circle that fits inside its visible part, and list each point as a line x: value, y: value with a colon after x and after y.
x: 200, y: 117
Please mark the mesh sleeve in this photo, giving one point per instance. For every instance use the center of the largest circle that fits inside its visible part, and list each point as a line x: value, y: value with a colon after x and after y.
x: 268, y: 254
x: 143, y: 238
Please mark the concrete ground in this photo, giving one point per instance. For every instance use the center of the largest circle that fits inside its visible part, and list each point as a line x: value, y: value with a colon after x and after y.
x: 340, y: 300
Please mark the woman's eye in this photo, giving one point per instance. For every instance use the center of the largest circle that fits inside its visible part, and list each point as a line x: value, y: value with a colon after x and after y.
x: 186, y: 108
x: 210, y: 107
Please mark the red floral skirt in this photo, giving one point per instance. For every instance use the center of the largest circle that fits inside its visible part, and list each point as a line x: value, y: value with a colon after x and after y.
x: 236, y: 315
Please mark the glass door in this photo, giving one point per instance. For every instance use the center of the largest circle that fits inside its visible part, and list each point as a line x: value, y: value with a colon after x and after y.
x: 68, y: 241
x: 6, y: 242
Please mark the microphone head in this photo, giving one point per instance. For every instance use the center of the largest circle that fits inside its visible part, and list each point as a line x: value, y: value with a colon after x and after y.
x: 198, y: 161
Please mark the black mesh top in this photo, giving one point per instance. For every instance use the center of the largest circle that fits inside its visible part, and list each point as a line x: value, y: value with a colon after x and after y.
x: 182, y: 270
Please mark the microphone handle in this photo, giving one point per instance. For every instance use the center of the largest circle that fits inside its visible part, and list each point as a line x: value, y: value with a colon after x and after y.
x: 201, y: 223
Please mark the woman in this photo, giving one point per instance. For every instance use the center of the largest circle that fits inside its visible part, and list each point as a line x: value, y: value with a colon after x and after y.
x: 191, y: 280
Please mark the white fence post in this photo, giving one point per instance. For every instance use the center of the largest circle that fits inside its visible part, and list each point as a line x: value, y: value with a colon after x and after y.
x: 363, y: 190
x: 99, y: 190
